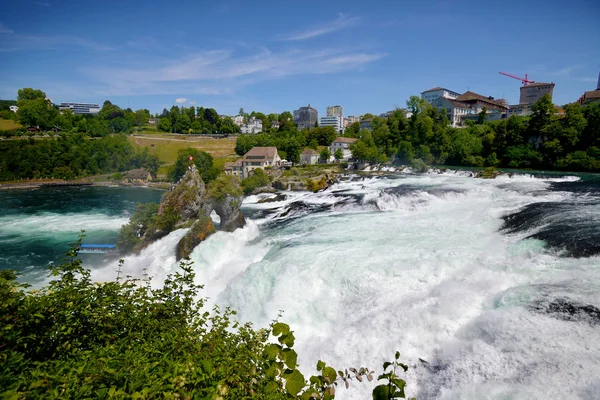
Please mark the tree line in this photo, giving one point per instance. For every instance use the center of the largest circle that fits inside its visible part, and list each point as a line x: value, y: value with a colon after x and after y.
x: 69, y: 156
x: 567, y: 139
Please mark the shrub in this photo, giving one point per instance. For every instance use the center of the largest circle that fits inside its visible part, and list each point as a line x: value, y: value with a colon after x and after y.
x: 256, y: 180
x: 419, y: 166
x: 223, y: 186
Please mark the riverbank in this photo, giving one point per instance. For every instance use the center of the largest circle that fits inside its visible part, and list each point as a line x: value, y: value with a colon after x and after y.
x: 40, y: 183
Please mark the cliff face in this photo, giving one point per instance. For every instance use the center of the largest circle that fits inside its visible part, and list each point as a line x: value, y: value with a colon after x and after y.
x: 189, y: 204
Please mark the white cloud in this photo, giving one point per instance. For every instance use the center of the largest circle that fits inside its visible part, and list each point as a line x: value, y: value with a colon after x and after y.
x: 192, y: 102
x: 4, y: 29
x: 343, y: 21
x: 180, y: 100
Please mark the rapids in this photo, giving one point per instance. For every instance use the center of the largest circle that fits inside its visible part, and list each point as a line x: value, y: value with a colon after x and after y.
x: 496, y: 283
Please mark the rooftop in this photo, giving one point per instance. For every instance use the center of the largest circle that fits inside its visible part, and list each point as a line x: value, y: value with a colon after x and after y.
x: 265, y: 152
x: 435, y: 89
x: 309, y: 152
x: 345, y: 140
x: 470, y: 96
x: 538, y: 84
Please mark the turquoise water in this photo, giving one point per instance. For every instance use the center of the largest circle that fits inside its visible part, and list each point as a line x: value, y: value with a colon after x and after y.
x: 37, y: 226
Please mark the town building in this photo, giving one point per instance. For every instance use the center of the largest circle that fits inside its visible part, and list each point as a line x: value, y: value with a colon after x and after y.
x: 353, y: 118
x: 333, y: 121
x: 435, y: 93
x: 342, y: 143
x: 13, y: 108
x: 153, y: 121
x: 139, y: 175
x: 80, y: 108
x: 306, y: 117
x: 238, y: 120
x: 309, y: 156
x: 234, y: 168
x: 534, y: 91
x: 259, y: 157
x: 275, y: 125
x: 336, y: 111
x: 592, y: 96
x: 366, y: 123
x: 455, y: 110
x: 521, y: 110
x: 253, y: 126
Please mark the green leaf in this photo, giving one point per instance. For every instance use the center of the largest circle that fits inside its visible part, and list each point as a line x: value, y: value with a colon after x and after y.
x: 329, y: 374
x: 294, y: 382
x: 272, y: 351
x: 381, y: 392
x: 289, y: 340
x: 397, y: 355
x: 289, y: 357
x: 404, y: 366
x: 273, y: 371
x: 280, y: 328
x: 400, y: 384
x: 386, y: 365
x: 320, y: 365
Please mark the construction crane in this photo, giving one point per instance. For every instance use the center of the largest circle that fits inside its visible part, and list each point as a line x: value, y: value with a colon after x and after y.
x: 525, y: 80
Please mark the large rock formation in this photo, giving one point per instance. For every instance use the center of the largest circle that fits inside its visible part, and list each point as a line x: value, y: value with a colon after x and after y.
x: 189, y: 205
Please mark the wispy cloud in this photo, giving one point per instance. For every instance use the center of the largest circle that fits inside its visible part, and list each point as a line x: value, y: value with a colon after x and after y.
x: 343, y: 21
x: 40, y: 3
x: 221, y: 71
x: 4, y: 29
x: 15, y: 41
x: 180, y: 100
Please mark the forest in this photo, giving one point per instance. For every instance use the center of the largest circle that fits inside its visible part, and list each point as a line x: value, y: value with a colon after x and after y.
x: 68, y: 156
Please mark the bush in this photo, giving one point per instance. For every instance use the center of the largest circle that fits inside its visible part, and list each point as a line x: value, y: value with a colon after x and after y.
x: 223, y: 186
x: 78, y: 339
x: 256, y: 180
x: 419, y: 166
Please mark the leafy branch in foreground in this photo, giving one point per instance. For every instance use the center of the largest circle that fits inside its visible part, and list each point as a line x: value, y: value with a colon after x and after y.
x: 76, y: 338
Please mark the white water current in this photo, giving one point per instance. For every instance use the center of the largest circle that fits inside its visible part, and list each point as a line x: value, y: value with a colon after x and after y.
x: 415, y: 264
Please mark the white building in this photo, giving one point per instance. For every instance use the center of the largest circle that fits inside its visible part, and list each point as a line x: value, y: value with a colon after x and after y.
x: 342, y: 143
x: 432, y: 95
x: 309, y: 156
x: 336, y: 122
x: 238, y: 120
x: 455, y: 110
x: 234, y: 168
x: 80, y: 108
x: 259, y: 157
x: 353, y: 118
x: 336, y: 111
x: 254, y: 125
x: 13, y: 108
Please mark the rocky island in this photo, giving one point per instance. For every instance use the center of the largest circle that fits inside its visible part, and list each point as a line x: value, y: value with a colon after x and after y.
x: 188, y: 205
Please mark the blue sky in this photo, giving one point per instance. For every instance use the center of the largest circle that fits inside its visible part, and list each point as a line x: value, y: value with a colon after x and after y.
x: 272, y: 56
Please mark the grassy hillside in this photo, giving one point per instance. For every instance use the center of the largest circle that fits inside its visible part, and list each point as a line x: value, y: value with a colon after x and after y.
x: 8, y: 125
x: 166, y: 147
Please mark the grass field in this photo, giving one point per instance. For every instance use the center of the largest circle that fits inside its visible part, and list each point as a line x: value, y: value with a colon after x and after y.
x: 166, y: 147
x: 8, y: 125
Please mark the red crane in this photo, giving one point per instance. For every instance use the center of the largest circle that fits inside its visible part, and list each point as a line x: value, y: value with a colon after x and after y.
x: 525, y: 80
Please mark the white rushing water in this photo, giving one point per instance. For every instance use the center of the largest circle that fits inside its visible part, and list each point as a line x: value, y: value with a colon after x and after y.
x: 415, y: 264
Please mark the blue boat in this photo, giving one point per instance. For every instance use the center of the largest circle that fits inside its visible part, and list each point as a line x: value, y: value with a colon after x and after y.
x: 97, y: 249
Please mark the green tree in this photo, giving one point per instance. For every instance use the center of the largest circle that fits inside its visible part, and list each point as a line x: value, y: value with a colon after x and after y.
x: 30, y: 94
x: 37, y: 112
x: 339, y: 154
x: 164, y: 124
x: 202, y: 161
x: 325, y: 155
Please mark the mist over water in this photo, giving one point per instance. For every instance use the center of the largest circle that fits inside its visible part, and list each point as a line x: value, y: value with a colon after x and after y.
x: 496, y: 283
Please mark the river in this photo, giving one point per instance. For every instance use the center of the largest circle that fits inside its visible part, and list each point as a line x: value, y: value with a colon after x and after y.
x: 495, y: 283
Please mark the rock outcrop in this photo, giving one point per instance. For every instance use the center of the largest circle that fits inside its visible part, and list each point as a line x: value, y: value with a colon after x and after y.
x: 200, y: 230
x: 189, y: 205
x: 228, y: 210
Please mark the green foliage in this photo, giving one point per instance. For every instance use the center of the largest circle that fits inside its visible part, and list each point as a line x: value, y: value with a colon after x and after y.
x: 70, y: 155
x: 223, y: 186
x: 202, y: 161
x: 145, y: 217
x: 339, y: 154
x: 26, y: 94
x: 419, y: 166
x: 325, y: 155
x: 394, y: 388
x: 78, y: 339
x: 258, y: 179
